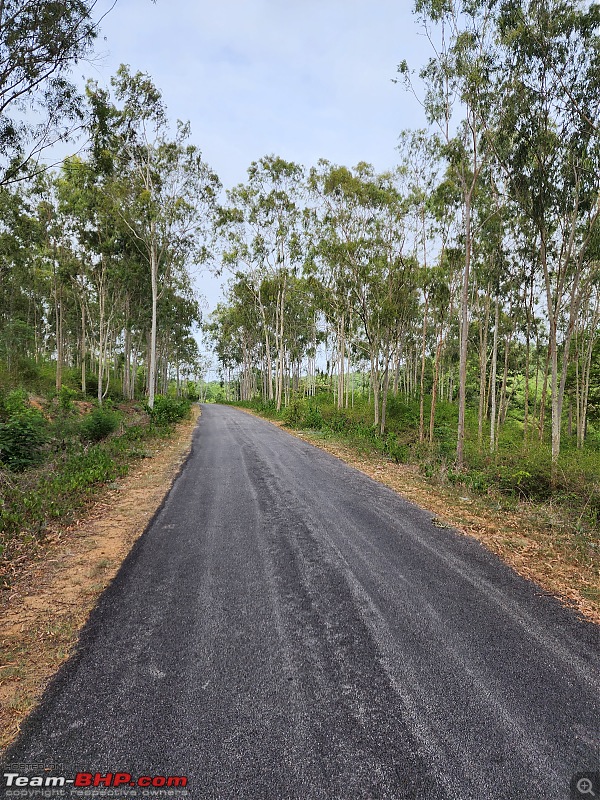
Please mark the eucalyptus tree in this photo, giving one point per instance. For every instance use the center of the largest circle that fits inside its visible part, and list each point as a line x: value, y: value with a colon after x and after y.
x: 547, y: 139
x: 93, y: 223
x: 587, y: 339
x: 234, y: 330
x: 360, y: 252
x: 260, y: 232
x: 165, y: 192
x: 23, y: 288
x: 39, y: 104
x: 240, y: 322
x: 54, y: 256
x: 457, y: 78
x: 179, y: 315
x: 335, y: 222
x: 422, y: 163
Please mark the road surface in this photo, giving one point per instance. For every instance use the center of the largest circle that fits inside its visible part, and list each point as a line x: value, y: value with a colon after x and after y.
x: 288, y: 628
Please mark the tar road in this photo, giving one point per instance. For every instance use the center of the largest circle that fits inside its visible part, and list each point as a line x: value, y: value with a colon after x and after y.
x: 288, y: 629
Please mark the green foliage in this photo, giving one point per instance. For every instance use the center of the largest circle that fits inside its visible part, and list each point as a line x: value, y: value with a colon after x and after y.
x: 396, y: 450
x: 312, y: 418
x: 169, y: 409
x: 293, y: 415
x: 38, y: 42
x: 27, y: 508
x: 11, y: 403
x: 192, y: 393
x: 22, y: 439
x: 31, y: 499
x: 65, y: 399
x: 99, y: 424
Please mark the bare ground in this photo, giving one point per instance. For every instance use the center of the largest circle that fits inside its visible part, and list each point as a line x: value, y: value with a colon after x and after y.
x: 41, y: 616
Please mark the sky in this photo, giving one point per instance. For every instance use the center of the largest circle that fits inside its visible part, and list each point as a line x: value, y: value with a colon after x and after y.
x: 302, y: 79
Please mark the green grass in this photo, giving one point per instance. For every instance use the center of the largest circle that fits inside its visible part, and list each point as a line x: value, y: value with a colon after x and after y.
x: 73, y: 460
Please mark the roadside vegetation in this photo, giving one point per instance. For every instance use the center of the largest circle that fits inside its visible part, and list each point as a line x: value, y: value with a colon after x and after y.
x: 513, y: 472
x: 444, y: 313
x: 97, y: 307
x: 56, y: 455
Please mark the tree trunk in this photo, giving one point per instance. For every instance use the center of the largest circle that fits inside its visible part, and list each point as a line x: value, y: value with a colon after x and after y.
x: 493, y: 377
x: 59, y: 335
x: 384, y: 394
x: 422, y: 382
x: 464, y: 338
x: 483, y: 359
x: 83, y: 348
x: 438, y: 353
x: 127, y: 352
x: 154, y: 281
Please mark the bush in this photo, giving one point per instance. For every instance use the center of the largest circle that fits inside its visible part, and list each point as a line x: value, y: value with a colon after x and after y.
x: 169, y: 409
x: 192, y: 393
x: 65, y: 399
x: 313, y: 418
x: 338, y: 421
x: 13, y: 403
x: 396, y: 450
x: 99, y: 424
x: 294, y: 414
x: 22, y: 439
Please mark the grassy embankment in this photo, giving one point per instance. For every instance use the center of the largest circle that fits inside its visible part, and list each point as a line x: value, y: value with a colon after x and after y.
x: 544, y: 522
x: 56, y: 454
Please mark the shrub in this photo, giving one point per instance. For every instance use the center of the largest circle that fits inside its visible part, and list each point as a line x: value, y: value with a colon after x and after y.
x: 294, y: 414
x: 99, y: 424
x: 313, y: 418
x: 169, y: 409
x: 396, y: 450
x: 338, y: 421
x: 65, y: 399
x: 13, y: 403
x: 22, y: 439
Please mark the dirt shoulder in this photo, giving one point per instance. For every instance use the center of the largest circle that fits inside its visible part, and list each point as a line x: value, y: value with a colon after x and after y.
x: 41, y: 616
x: 521, y: 537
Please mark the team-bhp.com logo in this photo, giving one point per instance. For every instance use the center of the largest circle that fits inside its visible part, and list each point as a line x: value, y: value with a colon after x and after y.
x: 95, y: 779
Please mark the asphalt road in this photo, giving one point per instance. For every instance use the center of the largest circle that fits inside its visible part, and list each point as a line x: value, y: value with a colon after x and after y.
x: 288, y: 628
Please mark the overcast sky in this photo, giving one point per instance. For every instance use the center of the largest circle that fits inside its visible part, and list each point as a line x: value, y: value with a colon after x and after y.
x: 303, y: 79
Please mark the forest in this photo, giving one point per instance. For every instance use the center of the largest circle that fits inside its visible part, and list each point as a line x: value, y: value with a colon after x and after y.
x: 447, y: 309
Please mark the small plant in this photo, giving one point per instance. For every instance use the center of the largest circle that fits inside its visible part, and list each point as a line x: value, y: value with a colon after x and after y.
x: 169, y: 409
x: 12, y: 403
x: 313, y: 418
x: 294, y: 414
x: 398, y: 452
x: 65, y: 399
x: 22, y: 439
x: 99, y: 424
